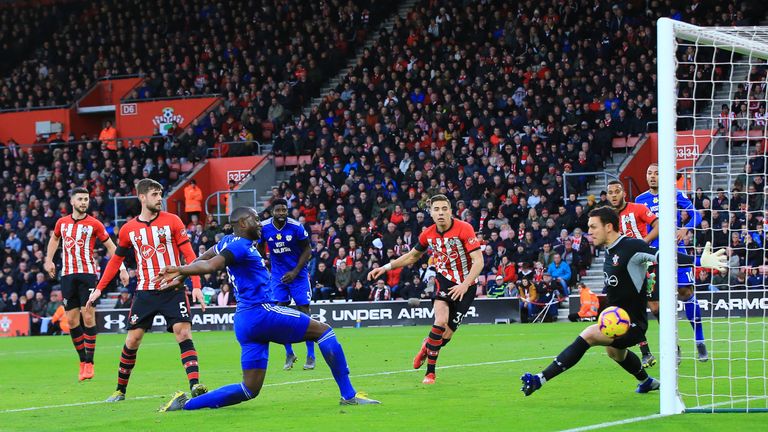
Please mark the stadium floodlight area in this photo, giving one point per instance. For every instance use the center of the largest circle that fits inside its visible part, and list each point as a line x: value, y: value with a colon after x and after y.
x: 701, y: 70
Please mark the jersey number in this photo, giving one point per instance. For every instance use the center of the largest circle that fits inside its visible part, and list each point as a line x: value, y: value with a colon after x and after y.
x: 183, y: 309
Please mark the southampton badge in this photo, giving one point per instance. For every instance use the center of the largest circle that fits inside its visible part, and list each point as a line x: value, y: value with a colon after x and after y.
x: 165, y: 121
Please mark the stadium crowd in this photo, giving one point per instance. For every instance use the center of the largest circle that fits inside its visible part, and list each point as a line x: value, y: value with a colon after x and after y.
x: 490, y: 103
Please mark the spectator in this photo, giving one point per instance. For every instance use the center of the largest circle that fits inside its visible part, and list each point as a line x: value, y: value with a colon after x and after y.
x: 497, y: 288
x: 546, y: 256
x: 343, y: 280
x: 13, y: 304
x: 224, y: 298
x: 324, y: 282
x: 124, y: 300
x: 36, y: 307
x: 755, y: 280
x: 108, y: 136
x: 193, y: 201
x: 380, y: 292
x: 359, y: 291
x: 560, y: 272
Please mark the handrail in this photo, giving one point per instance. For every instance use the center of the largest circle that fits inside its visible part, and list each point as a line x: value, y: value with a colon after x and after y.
x: 632, y: 182
x: 208, y: 95
x: 647, y: 128
x: 77, y: 142
x: 12, y: 110
x: 218, y: 214
x: 605, y: 175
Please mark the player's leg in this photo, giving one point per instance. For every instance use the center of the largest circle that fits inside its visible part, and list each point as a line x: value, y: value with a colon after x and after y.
x: 301, y: 293
x: 175, y: 309
x: 282, y: 295
x: 127, y: 362
x: 89, y: 323
x: 434, y: 340
x: 649, y: 360
x: 693, y: 313
x: 72, y: 305
x: 631, y: 363
x: 569, y: 357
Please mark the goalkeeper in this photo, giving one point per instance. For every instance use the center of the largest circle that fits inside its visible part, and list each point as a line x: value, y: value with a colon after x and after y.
x: 624, y: 271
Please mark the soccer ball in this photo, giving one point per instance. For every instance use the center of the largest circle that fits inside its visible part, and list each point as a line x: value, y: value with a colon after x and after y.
x: 613, y: 321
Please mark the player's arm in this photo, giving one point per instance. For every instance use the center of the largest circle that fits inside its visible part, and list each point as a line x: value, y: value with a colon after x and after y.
x: 306, y: 253
x: 113, y: 266
x: 716, y: 260
x: 261, y: 246
x: 111, y: 249
x: 185, y: 247
x: 457, y: 292
x: 412, y: 257
x: 654, y: 234
x: 210, y: 253
x: 53, y: 245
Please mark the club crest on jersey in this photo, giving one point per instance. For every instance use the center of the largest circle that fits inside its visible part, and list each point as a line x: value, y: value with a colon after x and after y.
x: 615, y: 260
x: 134, y: 318
x: 147, y: 251
x: 288, y: 237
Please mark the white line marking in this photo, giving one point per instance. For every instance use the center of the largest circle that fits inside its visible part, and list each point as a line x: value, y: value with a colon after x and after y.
x: 47, y: 351
x: 292, y: 382
x: 614, y: 423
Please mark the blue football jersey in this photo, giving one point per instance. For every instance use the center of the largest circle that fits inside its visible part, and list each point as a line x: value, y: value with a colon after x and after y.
x: 247, y: 273
x: 284, y: 246
x: 651, y: 201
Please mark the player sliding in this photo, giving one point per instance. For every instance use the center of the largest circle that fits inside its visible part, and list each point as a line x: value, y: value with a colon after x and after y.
x: 78, y: 272
x: 685, y: 280
x: 158, y: 239
x: 289, y: 251
x: 257, y: 320
x: 624, y: 271
x: 458, y: 263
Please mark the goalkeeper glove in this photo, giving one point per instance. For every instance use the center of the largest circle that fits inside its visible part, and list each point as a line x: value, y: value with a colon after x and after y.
x: 713, y: 260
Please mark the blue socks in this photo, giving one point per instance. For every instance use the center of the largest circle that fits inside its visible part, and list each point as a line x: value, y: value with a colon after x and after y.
x: 223, y: 396
x: 334, y: 356
x: 310, y: 349
x: 693, y: 313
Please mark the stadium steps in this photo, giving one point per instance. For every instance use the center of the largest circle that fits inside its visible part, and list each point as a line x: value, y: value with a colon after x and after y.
x: 594, y: 277
x: 280, y: 176
x: 596, y: 184
x: 387, y: 25
x: 723, y: 94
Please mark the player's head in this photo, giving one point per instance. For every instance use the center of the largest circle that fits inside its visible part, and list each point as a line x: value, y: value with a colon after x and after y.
x: 150, y: 194
x: 80, y: 199
x: 440, y: 209
x: 616, y: 194
x: 652, y: 176
x: 246, y: 222
x: 603, y: 225
x: 280, y: 210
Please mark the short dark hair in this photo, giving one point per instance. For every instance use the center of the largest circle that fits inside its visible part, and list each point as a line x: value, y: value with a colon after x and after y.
x: 607, y: 215
x: 146, y: 185
x: 279, y: 201
x: 79, y: 190
x: 438, y: 198
x: 616, y: 182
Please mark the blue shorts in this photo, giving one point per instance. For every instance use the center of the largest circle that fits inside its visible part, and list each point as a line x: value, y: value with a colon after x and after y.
x: 256, y: 328
x: 299, y: 290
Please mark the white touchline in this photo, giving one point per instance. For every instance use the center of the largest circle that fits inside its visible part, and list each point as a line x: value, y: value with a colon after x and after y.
x: 291, y: 382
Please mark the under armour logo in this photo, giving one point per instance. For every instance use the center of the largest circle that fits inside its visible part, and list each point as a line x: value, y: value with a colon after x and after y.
x: 109, y: 322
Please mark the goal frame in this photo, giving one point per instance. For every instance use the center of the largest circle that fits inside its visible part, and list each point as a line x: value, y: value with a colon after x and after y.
x: 668, y: 31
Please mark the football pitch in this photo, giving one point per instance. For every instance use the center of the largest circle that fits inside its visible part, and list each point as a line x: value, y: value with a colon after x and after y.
x: 478, y: 386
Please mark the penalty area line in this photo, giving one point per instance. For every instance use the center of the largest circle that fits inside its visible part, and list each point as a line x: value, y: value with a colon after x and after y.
x: 307, y: 381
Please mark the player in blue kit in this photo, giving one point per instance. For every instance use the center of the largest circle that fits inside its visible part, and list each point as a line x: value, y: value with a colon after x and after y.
x: 258, y: 321
x: 287, y: 243
x: 685, y: 279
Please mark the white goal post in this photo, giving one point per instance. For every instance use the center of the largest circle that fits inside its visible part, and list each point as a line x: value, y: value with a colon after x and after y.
x: 738, y: 342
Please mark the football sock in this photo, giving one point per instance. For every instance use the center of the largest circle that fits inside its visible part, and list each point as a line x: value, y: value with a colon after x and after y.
x: 78, y: 338
x: 644, y: 348
x: 445, y: 342
x: 90, y: 343
x: 189, y: 360
x: 127, y: 361
x: 288, y: 350
x: 566, y: 359
x: 310, y: 349
x: 434, y: 343
x: 632, y: 364
x: 334, y: 356
x: 223, y: 396
x: 693, y: 313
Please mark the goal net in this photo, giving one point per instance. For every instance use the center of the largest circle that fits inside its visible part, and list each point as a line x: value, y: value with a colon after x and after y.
x: 712, y: 146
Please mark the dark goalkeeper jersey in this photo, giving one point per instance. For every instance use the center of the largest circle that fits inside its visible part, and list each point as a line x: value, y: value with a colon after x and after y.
x: 624, y: 272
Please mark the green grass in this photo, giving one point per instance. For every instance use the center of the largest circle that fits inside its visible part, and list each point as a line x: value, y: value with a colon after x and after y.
x: 480, y: 391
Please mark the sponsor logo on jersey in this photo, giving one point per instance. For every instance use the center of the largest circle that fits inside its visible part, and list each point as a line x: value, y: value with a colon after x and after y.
x: 611, y: 280
x: 147, y: 251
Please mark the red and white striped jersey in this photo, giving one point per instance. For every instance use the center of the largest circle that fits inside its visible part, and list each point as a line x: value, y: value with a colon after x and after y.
x: 156, y: 245
x: 451, y: 249
x: 78, y: 238
x: 634, y: 220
